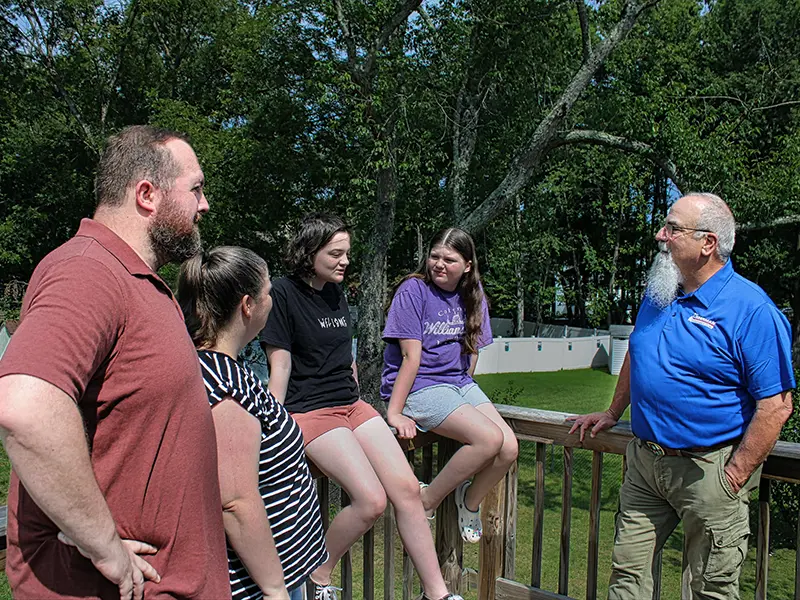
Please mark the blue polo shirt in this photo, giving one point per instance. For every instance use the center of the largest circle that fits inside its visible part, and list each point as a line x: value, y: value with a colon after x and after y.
x: 699, y: 366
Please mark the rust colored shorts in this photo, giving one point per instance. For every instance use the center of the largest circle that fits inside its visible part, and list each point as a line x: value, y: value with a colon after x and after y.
x: 318, y: 422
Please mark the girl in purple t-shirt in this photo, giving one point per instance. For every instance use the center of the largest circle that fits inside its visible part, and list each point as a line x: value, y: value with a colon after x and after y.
x: 437, y: 322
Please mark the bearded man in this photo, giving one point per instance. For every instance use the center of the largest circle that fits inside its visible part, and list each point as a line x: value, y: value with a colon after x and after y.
x: 103, y: 412
x: 708, y: 378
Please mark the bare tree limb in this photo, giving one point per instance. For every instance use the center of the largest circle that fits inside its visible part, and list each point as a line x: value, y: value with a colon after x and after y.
x: 349, y: 42
x: 395, y: 21
x: 586, y: 39
x: 41, y: 45
x: 601, y: 138
x: 531, y: 154
x: 427, y: 18
x: 778, y: 222
x: 134, y: 12
x: 744, y: 105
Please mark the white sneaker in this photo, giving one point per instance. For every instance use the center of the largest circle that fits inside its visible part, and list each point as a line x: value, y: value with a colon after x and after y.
x: 448, y: 597
x: 469, y: 522
x: 325, y: 592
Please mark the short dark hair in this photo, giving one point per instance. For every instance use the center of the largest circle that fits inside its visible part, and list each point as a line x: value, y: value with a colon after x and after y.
x: 135, y: 153
x: 315, y: 231
x: 212, y: 284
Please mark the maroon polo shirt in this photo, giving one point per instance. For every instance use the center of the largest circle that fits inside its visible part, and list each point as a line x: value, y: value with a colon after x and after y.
x: 98, y: 324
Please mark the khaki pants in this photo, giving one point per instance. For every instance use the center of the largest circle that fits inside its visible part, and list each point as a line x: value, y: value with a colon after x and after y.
x: 660, y: 491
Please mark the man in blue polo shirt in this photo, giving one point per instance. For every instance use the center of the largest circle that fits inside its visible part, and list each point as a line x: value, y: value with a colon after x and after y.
x: 708, y: 378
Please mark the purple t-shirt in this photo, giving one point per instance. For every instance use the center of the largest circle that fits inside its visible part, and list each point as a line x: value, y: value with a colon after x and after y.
x: 422, y: 311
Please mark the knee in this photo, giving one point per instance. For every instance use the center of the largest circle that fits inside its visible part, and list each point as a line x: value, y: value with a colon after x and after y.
x: 406, y: 493
x: 491, y: 441
x: 372, y: 505
x: 509, y: 451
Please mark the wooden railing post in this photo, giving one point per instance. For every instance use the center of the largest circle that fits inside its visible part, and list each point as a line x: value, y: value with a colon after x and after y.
x: 449, y: 545
x: 594, y: 526
x: 510, y: 522
x: 490, y: 557
x: 408, y: 566
x: 566, y: 524
x: 388, y: 553
x: 347, y: 560
x: 538, y: 517
x: 368, y: 576
x: 762, y: 548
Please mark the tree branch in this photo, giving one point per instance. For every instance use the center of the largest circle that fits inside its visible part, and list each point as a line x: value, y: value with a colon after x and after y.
x: 41, y: 46
x: 583, y: 17
x: 427, y: 18
x: 348, y: 36
x: 530, y: 156
x: 388, y: 30
x: 601, y: 138
x: 778, y: 222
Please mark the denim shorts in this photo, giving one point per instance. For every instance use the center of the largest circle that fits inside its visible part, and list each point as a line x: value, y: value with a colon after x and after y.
x: 431, y: 405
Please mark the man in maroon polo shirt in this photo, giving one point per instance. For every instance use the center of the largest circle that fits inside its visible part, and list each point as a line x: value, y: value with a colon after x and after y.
x: 103, y: 413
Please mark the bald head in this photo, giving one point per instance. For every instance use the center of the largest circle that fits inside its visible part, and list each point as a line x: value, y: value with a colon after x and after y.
x: 711, y: 213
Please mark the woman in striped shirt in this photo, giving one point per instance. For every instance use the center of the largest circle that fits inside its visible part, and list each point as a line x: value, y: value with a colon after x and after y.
x: 225, y: 296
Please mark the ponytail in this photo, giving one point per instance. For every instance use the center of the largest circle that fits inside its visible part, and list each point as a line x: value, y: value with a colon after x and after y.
x: 211, y: 285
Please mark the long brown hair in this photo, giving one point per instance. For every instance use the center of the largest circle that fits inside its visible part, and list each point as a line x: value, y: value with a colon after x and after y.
x: 469, y: 287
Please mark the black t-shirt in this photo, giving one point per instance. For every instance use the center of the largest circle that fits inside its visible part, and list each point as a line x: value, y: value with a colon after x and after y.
x: 315, y: 327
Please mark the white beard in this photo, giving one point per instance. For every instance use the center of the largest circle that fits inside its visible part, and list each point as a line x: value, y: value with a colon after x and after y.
x: 663, y: 279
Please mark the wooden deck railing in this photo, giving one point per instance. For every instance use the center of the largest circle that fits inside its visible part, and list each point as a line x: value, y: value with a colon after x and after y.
x: 495, y: 577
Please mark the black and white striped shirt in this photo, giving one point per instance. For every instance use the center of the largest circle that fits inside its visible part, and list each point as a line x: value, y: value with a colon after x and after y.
x: 284, y: 480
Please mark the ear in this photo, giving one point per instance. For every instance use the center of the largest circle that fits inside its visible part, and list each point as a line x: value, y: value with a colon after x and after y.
x: 710, y: 243
x: 246, y: 304
x: 468, y: 267
x: 145, y: 193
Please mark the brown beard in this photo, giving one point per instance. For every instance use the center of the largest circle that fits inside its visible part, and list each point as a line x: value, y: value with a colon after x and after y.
x: 170, y: 238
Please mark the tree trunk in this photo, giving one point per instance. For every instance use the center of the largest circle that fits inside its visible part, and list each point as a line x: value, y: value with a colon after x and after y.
x: 796, y: 316
x: 519, y: 260
x: 533, y: 152
x: 612, y: 272
x: 373, y: 286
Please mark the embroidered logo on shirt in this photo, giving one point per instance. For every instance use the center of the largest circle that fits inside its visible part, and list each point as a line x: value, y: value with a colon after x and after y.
x: 698, y: 320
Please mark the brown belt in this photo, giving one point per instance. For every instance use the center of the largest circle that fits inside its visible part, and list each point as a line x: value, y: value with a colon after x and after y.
x: 660, y: 450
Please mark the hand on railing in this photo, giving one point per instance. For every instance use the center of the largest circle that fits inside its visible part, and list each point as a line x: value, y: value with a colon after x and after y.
x: 598, y: 422
x: 125, y: 568
x: 406, y: 428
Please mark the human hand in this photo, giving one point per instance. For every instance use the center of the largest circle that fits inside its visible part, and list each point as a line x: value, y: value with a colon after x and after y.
x: 406, y: 428
x: 123, y: 566
x: 733, y: 480
x: 597, y: 421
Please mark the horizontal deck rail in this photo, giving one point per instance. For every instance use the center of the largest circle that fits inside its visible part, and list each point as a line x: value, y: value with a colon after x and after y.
x: 495, y: 578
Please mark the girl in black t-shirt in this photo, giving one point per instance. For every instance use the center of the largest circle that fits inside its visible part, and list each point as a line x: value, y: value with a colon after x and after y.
x: 308, y: 340
x: 270, y: 510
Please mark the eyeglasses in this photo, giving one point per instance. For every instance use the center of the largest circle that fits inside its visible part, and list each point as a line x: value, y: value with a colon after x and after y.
x: 673, y: 230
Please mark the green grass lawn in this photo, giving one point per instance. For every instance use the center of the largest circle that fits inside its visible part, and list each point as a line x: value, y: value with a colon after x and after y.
x: 566, y: 391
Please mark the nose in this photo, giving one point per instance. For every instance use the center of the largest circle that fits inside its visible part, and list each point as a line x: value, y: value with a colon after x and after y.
x: 202, y: 206
x: 662, y: 236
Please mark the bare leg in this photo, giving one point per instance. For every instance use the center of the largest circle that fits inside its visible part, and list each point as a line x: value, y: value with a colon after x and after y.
x: 486, y: 479
x: 489, y: 449
x: 338, y: 454
x: 401, y: 486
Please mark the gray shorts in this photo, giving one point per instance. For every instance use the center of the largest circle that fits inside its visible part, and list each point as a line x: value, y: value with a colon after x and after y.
x: 431, y: 405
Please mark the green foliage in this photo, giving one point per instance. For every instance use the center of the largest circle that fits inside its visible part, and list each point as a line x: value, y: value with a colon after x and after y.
x: 786, y: 496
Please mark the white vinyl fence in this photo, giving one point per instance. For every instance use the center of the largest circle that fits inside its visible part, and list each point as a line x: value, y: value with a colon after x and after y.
x: 533, y: 355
